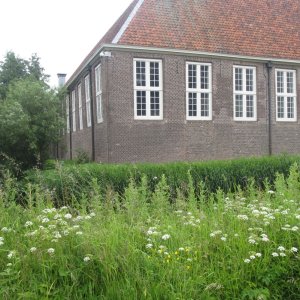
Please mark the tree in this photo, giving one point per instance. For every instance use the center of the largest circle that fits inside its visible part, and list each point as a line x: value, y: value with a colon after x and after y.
x: 30, y: 112
x: 14, y: 68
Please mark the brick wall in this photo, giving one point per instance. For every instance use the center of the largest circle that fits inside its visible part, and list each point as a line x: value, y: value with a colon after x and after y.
x: 120, y: 138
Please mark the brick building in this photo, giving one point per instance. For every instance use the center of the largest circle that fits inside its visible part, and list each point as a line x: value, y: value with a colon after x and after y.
x: 176, y: 80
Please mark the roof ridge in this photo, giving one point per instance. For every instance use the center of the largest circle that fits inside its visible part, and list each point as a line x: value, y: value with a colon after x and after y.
x: 127, y: 22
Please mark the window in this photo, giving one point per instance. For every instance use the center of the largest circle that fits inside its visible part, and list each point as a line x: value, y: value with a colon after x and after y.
x: 148, y: 93
x: 198, y: 91
x: 68, y: 114
x: 244, y: 93
x: 73, y: 111
x: 286, y: 95
x: 80, y: 106
x: 98, y: 93
x: 88, y: 101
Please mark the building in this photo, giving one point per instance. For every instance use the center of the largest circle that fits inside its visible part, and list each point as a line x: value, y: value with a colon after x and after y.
x: 187, y: 80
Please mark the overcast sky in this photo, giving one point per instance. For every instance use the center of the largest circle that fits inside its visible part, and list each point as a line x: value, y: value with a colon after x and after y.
x: 61, y: 32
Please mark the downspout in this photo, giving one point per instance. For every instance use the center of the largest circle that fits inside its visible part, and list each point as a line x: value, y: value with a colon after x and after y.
x: 92, y: 113
x: 70, y: 125
x: 269, y: 66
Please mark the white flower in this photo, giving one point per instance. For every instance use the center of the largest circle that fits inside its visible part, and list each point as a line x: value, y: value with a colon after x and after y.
x: 165, y: 237
x: 68, y: 216
x: 1, y: 243
x: 11, y: 254
x: 28, y: 223
x: 9, y: 265
x: 297, y: 217
x: 149, y: 246
x: 32, y: 249
x: 149, y: 232
x: 92, y: 214
x: 258, y: 254
x: 252, y: 241
x: 51, y: 251
x: 45, y: 220
x: 57, y: 216
x: 282, y: 254
x: 275, y: 254
x: 243, y: 217
x: 271, y: 192
x: 57, y: 235
x: 223, y: 238
x: 66, y: 232
x: 294, y: 250
x: 86, y: 259
x: 79, y: 233
x: 212, y: 234
x: 281, y: 248
x: 252, y: 257
x: 87, y: 217
x: 181, y: 249
x: 76, y: 226
x: 247, y: 261
x: 189, y: 259
x: 5, y: 229
x: 236, y: 235
x: 63, y: 207
x: 295, y: 228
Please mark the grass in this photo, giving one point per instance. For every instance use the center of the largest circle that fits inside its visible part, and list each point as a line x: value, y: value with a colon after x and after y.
x: 241, y: 245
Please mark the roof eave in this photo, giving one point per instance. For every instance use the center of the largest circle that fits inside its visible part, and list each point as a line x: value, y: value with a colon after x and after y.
x: 180, y: 52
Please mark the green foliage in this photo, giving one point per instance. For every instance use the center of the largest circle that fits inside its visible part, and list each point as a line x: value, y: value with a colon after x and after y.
x: 195, y: 179
x: 141, y: 246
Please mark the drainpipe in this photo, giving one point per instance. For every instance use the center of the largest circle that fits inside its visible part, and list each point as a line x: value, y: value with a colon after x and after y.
x: 70, y: 125
x: 92, y: 113
x: 269, y: 66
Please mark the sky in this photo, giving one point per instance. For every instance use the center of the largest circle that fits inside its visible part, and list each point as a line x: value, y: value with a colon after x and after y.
x: 60, y: 32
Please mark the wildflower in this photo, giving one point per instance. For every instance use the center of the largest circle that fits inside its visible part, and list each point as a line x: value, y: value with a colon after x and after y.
x: 66, y: 232
x: 294, y: 250
x: 258, y: 254
x: 297, y: 217
x: 236, y: 235
x: 5, y: 229
x: 32, y: 249
x: 243, y: 217
x: 165, y: 237
x: 181, y: 249
x: 247, y: 261
x: 57, y: 235
x: 212, y: 234
x: 45, y: 220
x: 223, y: 238
x: 295, y: 228
x: 149, y: 246
x: 76, y: 226
x: 57, y: 216
x: 149, y: 232
x: 252, y: 241
x: 189, y: 259
x: 87, y: 217
x: 63, y: 208
x: 271, y: 192
x: 11, y: 254
x: 275, y: 254
x: 281, y: 248
x: 28, y: 223
x: 92, y: 214
x: 51, y: 251
x: 68, y: 216
x: 282, y: 254
x: 86, y: 259
x: 79, y: 233
x: 9, y: 265
x: 252, y: 257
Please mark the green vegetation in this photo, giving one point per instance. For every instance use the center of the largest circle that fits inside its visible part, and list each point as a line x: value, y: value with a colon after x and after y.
x: 69, y: 181
x: 30, y: 113
x: 139, y: 245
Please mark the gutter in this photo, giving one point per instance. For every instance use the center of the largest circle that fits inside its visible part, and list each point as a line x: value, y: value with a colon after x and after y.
x: 105, y: 47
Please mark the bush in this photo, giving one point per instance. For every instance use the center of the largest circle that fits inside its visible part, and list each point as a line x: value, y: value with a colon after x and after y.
x: 72, y: 181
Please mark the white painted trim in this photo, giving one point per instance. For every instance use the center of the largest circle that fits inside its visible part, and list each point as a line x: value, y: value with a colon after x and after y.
x: 79, y: 94
x: 127, y: 22
x: 181, y: 52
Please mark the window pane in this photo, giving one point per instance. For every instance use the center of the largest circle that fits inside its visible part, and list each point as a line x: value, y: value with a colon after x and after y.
x: 154, y: 74
x: 280, y: 107
x: 290, y: 107
x: 249, y: 80
x: 141, y: 103
x: 238, y: 79
x: 192, y: 69
x: 290, y: 82
x: 204, y: 77
x: 204, y: 102
x: 192, y: 104
x: 154, y: 103
x: 239, y: 106
x: 141, y: 73
x: 280, y: 88
x: 99, y: 108
x: 250, y: 106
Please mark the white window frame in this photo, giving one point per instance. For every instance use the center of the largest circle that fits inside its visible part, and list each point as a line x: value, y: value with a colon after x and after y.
x: 198, y: 90
x: 88, y: 101
x: 68, y: 114
x: 80, y: 106
x: 148, y: 89
x: 245, y: 93
x: 285, y: 94
x: 73, y: 111
x: 98, y: 87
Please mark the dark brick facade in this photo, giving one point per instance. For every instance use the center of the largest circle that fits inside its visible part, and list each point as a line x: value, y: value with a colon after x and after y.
x: 121, y: 138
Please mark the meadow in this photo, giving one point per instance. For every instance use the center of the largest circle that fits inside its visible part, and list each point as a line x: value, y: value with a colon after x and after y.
x: 150, y: 244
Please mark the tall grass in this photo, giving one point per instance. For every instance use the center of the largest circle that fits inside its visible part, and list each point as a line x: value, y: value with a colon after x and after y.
x: 138, y: 245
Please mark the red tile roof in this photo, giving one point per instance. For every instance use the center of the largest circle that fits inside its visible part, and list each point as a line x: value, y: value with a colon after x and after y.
x: 259, y: 28
x: 263, y: 28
